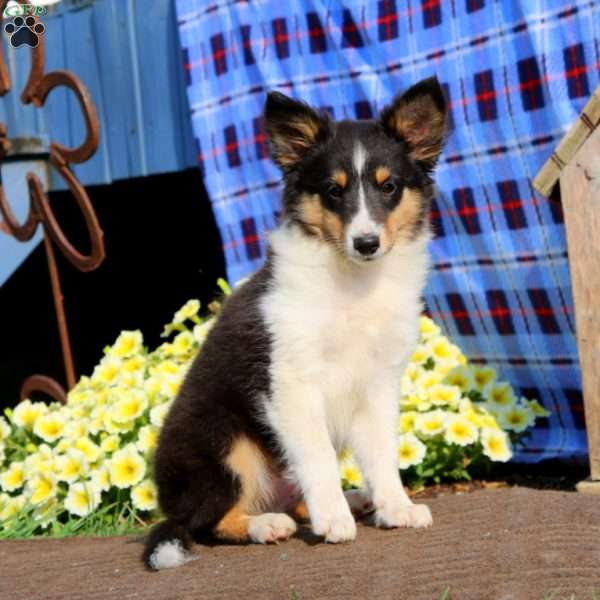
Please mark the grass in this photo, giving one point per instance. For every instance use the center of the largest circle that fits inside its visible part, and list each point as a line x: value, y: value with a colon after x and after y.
x: 114, y: 519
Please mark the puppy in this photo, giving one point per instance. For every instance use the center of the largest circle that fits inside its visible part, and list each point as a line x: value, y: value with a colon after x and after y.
x: 307, y: 355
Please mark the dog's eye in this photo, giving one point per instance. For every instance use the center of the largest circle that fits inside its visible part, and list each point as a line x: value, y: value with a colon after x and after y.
x: 388, y: 188
x: 335, y: 191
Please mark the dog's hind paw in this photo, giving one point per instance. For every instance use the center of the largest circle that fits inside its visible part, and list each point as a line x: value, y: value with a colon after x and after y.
x: 270, y: 528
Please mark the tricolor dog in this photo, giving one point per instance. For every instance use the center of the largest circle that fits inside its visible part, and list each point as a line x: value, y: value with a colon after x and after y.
x: 307, y: 355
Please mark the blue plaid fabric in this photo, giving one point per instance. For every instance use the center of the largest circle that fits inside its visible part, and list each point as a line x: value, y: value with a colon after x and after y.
x: 516, y: 73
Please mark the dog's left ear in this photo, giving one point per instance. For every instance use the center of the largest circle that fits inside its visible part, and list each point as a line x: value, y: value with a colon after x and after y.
x: 294, y: 128
x: 418, y: 117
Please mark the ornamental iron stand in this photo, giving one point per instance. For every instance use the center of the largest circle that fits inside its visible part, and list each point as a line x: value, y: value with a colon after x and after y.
x: 36, y: 91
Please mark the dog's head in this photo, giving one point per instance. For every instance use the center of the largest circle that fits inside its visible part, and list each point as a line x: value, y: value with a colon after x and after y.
x: 362, y: 186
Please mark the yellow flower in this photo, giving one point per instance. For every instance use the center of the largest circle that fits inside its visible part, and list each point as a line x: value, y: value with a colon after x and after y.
x: 49, y: 427
x: 4, y: 429
x: 13, y: 478
x: 90, y: 450
x: 144, y: 496
x: 42, y: 488
x: 444, y: 395
x: 78, y: 396
x: 187, y: 311
x: 127, y: 344
x: 411, y: 450
x: 110, y: 443
x: 131, y: 404
x: 71, y: 466
x: 496, y: 445
x: 126, y: 467
x: 135, y: 364
x: 147, y: 438
x: 537, y: 409
x: 201, y: 330
x: 82, y: 499
x: 461, y: 377
x: 460, y: 431
x: 488, y: 421
x: 500, y: 396
x: 407, y: 421
x: 442, y: 349
x: 412, y: 374
x: 351, y: 473
x: 428, y: 328
x: 26, y: 413
x: 113, y: 426
x: 159, y: 413
x: 40, y: 462
x: 10, y: 506
x: 420, y: 355
x: 431, y: 423
x: 517, y: 418
x: 483, y: 376
x: 46, y: 512
x: 75, y: 430
x: 183, y: 344
x: 100, y: 479
x: 64, y: 444
x: 108, y: 371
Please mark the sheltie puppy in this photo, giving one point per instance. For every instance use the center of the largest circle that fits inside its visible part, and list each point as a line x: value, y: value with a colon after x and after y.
x: 306, y: 356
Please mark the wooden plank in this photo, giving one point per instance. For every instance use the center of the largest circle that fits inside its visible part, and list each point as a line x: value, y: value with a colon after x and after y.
x: 580, y: 193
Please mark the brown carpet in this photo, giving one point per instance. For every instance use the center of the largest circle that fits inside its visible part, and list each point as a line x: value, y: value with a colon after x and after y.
x: 511, y: 543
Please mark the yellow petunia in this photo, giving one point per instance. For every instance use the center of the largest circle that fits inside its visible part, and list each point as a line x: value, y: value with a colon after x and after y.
x: 108, y: 371
x: 496, y: 445
x: 147, y: 438
x: 144, y: 496
x: 407, y: 421
x: 183, y: 344
x: 537, y: 409
x: 428, y: 328
x: 351, y: 473
x: 130, y: 405
x: 128, y: 343
x: 420, y: 355
x: 90, y: 450
x: 517, y: 418
x: 202, y: 329
x: 482, y: 377
x: 499, y: 396
x: 13, y: 478
x: 460, y: 431
x: 42, y: 488
x: 441, y: 394
x: 159, y: 413
x: 71, y: 466
x: 100, y: 479
x: 187, y: 311
x: 26, y: 413
x: 461, y: 377
x: 110, y: 443
x: 411, y: 450
x: 126, y: 467
x: 11, y: 506
x: 82, y: 499
x: 75, y: 430
x: 49, y: 427
x: 41, y: 462
x: 431, y: 423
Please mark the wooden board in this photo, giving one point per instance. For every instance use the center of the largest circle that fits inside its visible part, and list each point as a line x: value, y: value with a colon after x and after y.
x: 580, y: 193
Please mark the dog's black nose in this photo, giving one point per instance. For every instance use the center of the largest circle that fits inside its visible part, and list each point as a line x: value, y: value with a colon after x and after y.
x: 366, y: 244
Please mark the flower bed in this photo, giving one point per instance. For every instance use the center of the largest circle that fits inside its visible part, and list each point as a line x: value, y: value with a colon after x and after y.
x: 88, y: 463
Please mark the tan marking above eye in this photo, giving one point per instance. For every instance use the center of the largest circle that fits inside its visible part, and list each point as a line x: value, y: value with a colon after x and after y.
x: 382, y: 174
x: 340, y: 177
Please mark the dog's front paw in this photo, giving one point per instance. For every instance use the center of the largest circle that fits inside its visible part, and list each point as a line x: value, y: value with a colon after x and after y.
x: 335, y: 528
x: 404, y: 515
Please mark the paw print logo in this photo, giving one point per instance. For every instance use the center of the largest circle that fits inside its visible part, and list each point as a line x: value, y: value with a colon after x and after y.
x: 24, y: 31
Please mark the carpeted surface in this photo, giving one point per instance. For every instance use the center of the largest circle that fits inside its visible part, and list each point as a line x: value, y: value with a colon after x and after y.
x: 511, y: 543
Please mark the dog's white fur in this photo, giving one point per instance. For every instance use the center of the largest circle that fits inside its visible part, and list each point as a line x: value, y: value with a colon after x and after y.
x: 342, y: 334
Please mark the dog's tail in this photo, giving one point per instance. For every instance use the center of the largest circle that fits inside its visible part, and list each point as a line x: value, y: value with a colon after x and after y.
x: 167, y: 546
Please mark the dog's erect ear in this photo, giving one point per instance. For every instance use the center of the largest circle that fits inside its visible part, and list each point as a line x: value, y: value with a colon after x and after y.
x: 419, y: 118
x: 293, y: 128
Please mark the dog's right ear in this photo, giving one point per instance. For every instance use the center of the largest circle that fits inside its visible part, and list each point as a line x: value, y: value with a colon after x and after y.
x: 294, y: 128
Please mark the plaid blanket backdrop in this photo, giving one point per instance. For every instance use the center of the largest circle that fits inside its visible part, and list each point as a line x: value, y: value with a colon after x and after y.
x: 516, y: 74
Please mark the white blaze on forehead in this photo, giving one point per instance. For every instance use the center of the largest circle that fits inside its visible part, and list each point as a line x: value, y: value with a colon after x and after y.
x: 361, y: 224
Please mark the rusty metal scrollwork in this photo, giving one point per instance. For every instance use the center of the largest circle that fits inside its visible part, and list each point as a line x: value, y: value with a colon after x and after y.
x: 36, y: 91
